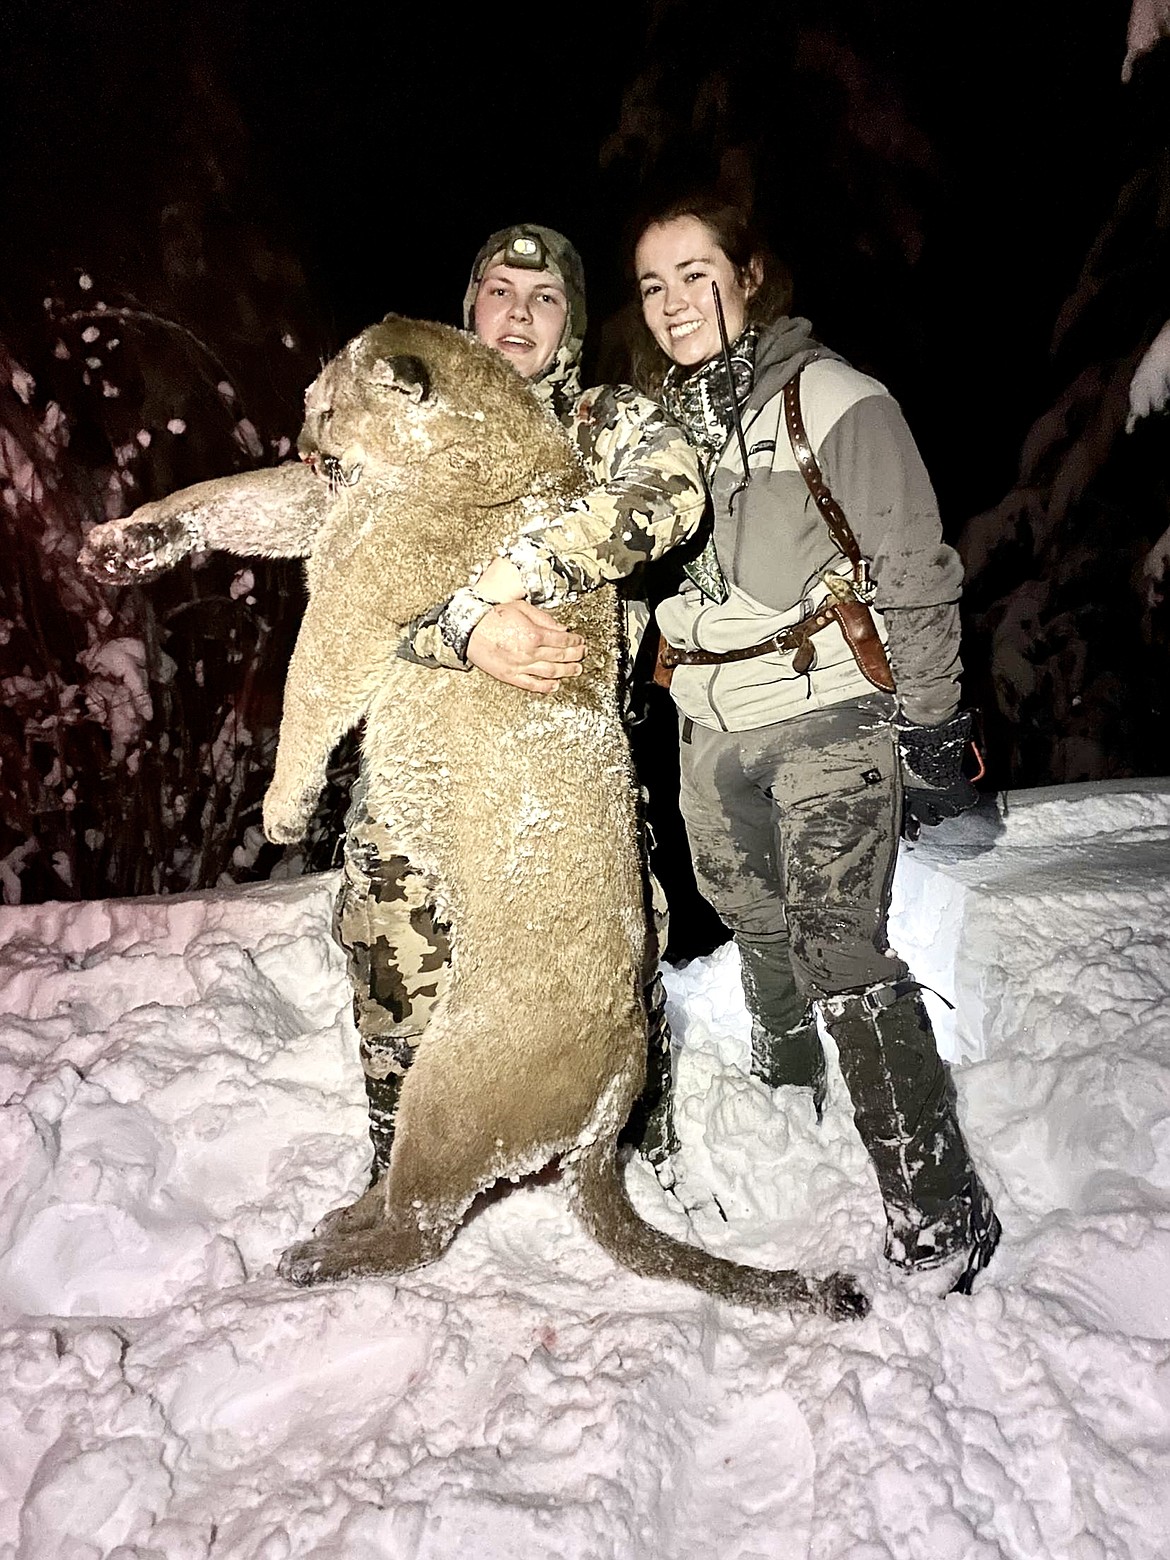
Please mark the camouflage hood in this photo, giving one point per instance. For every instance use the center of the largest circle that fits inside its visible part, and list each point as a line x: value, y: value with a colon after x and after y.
x: 536, y: 248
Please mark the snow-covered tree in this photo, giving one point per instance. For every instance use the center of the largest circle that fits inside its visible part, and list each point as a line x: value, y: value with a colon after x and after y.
x: 1067, y: 573
x: 138, y: 726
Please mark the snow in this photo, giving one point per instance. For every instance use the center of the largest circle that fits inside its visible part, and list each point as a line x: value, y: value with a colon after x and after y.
x: 117, y: 690
x: 23, y: 383
x: 1149, y: 23
x: 184, y: 1100
x: 1149, y: 389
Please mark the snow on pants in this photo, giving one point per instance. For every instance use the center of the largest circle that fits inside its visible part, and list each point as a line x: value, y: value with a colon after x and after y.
x: 793, y: 830
x: 398, y: 950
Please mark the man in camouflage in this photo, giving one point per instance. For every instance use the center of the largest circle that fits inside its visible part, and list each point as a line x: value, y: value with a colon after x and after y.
x: 526, y: 298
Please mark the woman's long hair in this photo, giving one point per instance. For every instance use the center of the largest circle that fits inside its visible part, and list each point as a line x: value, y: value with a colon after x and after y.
x: 741, y: 241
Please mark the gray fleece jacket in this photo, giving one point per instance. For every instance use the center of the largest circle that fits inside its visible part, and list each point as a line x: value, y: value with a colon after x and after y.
x: 774, y: 550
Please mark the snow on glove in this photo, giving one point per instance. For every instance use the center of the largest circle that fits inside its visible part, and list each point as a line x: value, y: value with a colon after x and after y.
x: 934, y: 786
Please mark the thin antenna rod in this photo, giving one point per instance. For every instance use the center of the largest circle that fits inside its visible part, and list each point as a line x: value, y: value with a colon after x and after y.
x: 722, y: 323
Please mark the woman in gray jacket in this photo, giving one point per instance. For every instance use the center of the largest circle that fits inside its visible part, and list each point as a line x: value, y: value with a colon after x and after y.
x: 813, y: 650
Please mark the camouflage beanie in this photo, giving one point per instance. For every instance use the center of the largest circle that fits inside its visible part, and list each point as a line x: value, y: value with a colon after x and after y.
x: 533, y: 248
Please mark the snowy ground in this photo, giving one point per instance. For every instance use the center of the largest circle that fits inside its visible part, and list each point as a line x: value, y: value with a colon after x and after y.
x: 183, y: 1100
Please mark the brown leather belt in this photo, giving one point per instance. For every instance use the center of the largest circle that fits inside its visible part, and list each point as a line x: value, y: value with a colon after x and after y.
x: 852, y: 617
x: 795, y: 638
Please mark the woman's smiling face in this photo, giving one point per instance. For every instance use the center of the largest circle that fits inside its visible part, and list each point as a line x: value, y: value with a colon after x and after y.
x: 675, y: 263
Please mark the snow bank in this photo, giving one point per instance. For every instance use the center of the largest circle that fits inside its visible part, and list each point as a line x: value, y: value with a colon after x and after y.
x: 183, y: 1099
x: 1079, y: 873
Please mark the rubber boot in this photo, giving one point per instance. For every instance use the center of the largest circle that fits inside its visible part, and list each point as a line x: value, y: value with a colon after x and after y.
x: 904, y: 1108
x: 382, y: 1104
x: 786, y: 1048
x: 795, y: 1059
x: 985, y: 1231
x: 651, y: 1124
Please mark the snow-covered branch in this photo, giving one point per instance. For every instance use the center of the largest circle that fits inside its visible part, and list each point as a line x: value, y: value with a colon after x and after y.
x: 1149, y: 389
x: 1149, y: 23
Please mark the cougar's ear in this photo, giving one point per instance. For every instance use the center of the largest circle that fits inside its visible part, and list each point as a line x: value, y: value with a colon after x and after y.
x: 403, y: 373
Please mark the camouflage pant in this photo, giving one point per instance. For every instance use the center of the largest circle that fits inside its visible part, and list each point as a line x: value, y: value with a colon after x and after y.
x: 398, y: 949
x: 794, y: 831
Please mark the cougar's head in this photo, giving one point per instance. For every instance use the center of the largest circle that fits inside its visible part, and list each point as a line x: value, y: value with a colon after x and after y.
x: 351, y: 412
x: 407, y: 392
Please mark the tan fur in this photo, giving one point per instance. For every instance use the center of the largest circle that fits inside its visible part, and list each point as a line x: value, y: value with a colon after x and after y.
x: 521, y: 807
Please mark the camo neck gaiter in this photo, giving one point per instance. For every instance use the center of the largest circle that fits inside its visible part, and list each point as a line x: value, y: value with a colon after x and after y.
x: 700, y: 399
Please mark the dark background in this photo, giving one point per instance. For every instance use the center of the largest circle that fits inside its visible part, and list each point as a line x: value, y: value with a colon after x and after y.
x: 935, y: 189
x: 974, y: 206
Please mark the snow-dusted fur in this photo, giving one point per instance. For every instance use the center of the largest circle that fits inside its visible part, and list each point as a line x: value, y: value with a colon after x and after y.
x: 424, y: 454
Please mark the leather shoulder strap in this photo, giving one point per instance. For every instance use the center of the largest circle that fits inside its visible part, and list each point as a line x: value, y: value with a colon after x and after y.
x: 830, y: 510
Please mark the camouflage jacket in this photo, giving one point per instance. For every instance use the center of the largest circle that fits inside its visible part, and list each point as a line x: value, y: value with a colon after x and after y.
x: 649, y: 497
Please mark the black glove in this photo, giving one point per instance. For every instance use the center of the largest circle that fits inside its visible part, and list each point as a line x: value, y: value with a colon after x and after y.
x: 934, y: 786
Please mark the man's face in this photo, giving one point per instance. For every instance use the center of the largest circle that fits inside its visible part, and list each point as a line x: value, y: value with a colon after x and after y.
x: 522, y: 315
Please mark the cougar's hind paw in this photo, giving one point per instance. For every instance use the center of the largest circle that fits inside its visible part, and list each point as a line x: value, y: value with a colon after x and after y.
x: 358, y: 1241
x: 337, y: 1221
x: 299, y: 1265
x: 326, y: 1259
x: 363, y: 1214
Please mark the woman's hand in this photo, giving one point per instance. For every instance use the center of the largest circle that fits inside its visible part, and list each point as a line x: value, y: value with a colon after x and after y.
x: 523, y: 645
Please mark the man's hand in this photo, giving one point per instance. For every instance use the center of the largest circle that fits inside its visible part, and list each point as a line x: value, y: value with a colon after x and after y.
x: 523, y: 645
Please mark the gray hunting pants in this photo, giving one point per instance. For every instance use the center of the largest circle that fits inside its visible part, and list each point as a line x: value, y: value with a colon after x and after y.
x: 794, y: 831
x: 398, y: 950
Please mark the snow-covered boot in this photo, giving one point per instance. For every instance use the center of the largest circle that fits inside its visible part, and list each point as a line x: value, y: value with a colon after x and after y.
x: 985, y: 1230
x: 786, y: 1048
x: 651, y: 1124
x: 382, y: 1104
x: 796, y: 1058
x: 904, y: 1106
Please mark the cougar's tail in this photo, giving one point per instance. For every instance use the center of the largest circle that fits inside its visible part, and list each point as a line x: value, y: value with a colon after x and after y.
x: 599, y: 1198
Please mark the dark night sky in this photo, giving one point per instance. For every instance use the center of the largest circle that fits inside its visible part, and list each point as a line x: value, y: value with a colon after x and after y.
x: 253, y: 182
x: 382, y: 150
x: 378, y: 148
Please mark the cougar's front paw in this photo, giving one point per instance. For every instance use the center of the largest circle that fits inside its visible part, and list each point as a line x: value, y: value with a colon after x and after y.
x: 123, y: 552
